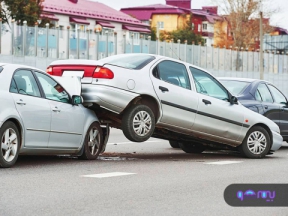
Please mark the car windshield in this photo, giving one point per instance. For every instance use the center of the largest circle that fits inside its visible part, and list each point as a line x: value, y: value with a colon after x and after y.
x: 130, y: 61
x: 234, y: 86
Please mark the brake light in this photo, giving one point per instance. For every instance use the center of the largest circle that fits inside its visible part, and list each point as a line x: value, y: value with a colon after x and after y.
x: 104, y: 73
x: 49, y: 70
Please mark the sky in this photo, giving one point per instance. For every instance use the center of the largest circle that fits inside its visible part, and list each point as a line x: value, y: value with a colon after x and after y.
x: 279, y: 19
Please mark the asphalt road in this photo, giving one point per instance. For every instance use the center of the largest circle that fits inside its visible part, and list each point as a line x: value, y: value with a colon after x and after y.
x: 137, y: 179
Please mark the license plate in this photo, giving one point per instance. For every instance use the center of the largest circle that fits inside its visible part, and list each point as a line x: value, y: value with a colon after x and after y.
x: 73, y: 73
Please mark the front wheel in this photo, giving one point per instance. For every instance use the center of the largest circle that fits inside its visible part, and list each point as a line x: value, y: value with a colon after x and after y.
x: 10, y: 144
x: 192, y: 148
x: 138, y: 123
x: 256, y: 144
x: 92, y: 142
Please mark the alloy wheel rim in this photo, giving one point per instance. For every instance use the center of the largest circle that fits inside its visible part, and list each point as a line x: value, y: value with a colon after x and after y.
x: 257, y: 142
x: 94, y: 141
x: 9, y: 145
x: 142, y: 123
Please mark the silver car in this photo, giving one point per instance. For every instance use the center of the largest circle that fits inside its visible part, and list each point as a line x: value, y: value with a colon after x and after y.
x: 149, y: 95
x: 38, y: 116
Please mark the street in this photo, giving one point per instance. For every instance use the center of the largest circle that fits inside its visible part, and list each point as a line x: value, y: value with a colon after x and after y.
x: 137, y: 179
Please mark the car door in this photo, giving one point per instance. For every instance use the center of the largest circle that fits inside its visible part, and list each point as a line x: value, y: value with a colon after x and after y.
x: 172, y: 85
x: 34, y: 110
x: 270, y: 109
x: 67, y: 121
x: 281, y: 101
x: 216, y: 116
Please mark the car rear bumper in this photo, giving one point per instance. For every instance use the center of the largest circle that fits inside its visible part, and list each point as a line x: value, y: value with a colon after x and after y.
x: 111, y: 98
x: 277, y: 141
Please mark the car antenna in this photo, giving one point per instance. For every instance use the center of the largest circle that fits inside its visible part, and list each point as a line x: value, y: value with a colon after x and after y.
x: 176, y: 54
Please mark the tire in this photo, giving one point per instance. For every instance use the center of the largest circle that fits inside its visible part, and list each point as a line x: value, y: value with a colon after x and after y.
x: 260, y: 136
x: 192, y: 148
x: 92, y: 143
x: 136, y: 115
x: 10, y: 144
x: 174, y: 144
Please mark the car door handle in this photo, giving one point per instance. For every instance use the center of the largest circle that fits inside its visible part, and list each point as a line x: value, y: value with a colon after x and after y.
x: 266, y: 107
x: 163, y: 89
x: 206, y: 101
x: 21, y: 102
x: 55, y: 109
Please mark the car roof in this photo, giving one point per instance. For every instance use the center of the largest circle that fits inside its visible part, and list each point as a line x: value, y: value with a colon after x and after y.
x: 21, y: 66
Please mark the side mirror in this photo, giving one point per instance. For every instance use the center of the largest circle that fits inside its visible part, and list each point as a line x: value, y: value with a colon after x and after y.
x: 233, y: 100
x: 76, y: 100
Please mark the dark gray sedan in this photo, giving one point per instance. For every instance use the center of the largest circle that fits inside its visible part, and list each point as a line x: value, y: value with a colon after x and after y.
x: 262, y: 97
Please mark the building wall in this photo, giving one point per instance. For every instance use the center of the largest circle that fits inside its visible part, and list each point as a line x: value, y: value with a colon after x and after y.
x: 171, y: 21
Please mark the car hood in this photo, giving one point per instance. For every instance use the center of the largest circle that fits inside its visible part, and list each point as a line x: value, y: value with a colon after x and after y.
x: 71, y: 84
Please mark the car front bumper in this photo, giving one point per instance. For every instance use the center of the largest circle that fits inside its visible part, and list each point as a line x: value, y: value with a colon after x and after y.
x: 277, y: 141
x: 111, y: 98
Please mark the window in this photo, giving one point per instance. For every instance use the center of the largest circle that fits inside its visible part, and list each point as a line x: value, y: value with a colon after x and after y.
x: 24, y: 83
x: 208, y: 85
x: 172, y: 72
x: 52, y: 89
x: 265, y: 93
x: 193, y: 26
x: 136, y: 37
x: 278, y: 96
x: 235, y: 87
x: 160, y: 25
x: 106, y: 31
x: 199, y: 28
x: 204, y: 26
x: 258, y: 96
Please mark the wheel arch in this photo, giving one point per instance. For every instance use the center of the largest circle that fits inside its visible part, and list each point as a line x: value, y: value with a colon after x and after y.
x: 19, y: 127
x: 149, y: 101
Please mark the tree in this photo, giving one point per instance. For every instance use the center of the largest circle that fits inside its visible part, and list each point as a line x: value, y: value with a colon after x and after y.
x: 21, y: 10
x: 243, y: 19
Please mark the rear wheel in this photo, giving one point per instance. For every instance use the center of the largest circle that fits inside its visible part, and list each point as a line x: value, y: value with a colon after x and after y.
x: 92, y: 143
x: 174, y: 144
x: 10, y: 144
x: 256, y: 144
x: 138, y: 123
x: 192, y: 148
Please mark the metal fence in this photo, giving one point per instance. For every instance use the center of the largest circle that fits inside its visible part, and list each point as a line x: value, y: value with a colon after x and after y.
x: 39, y: 46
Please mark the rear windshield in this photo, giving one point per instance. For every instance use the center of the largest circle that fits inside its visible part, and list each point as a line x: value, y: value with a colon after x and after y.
x: 235, y: 87
x: 130, y: 61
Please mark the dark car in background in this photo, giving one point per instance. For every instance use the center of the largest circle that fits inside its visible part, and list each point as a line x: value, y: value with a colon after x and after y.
x: 262, y: 97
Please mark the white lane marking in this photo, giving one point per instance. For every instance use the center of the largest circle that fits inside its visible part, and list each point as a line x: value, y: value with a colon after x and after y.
x: 107, y: 175
x: 122, y: 143
x: 223, y: 162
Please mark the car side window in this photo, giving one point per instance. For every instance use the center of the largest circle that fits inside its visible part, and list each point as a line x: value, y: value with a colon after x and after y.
x: 23, y: 82
x: 278, y: 96
x: 258, y: 96
x: 208, y: 85
x: 265, y: 93
x: 172, y: 72
x: 52, y: 89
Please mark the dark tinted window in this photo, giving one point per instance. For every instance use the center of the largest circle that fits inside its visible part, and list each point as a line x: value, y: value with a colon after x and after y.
x: 26, y: 83
x: 208, y: 85
x: 265, y: 93
x: 172, y: 72
x: 130, y: 61
x: 278, y: 96
x: 52, y: 89
x: 235, y: 87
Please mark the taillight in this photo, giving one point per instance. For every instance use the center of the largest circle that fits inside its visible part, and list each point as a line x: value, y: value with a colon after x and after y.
x: 49, y: 70
x: 104, y: 73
